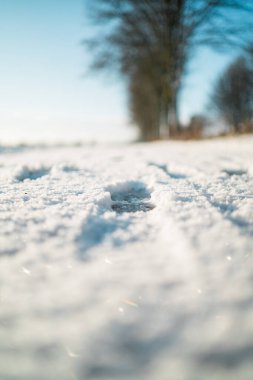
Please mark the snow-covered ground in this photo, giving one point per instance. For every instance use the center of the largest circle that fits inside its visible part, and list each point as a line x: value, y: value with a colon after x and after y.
x: 127, y: 262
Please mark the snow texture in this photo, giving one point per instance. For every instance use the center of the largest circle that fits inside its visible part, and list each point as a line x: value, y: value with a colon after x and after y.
x: 127, y: 262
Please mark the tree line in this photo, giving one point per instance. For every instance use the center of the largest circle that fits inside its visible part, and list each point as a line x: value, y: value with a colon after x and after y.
x: 232, y: 97
x: 150, y: 43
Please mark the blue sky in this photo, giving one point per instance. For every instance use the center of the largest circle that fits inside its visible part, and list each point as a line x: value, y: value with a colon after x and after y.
x: 44, y: 95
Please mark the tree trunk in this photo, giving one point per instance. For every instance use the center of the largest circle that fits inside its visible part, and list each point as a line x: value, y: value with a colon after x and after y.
x: 173, y: 118
x: 163, y: 123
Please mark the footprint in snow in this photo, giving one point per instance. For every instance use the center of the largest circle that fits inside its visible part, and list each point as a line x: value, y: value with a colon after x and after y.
x: 234, y: 172
x: 26, y: 173
x: 130, y: 197
x: 70, y: 169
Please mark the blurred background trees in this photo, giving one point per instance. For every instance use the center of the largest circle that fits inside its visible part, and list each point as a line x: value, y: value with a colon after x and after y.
x: 233, y: 95
x: 150, y: 43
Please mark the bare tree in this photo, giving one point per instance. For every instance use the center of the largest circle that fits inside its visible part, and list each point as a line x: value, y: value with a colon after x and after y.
x: 233, y: 94
x: 164, y: 35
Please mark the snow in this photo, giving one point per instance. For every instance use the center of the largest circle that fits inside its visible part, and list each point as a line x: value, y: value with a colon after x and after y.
x: 127, y: 262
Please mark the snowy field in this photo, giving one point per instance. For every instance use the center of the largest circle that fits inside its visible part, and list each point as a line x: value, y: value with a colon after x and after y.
x: 127, y: 262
